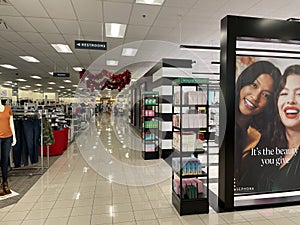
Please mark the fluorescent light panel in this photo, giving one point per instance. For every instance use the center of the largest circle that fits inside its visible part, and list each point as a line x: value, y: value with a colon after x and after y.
x: 36, y: 77
x: 62, y: 48
x: 115, y: 30
x: 112, y: 62
x: 77, y: 69
x: 51, y: 82
x: 129, y: 51
x: 150, y: 2
x: 21, y: 80
x: 8, y: 66
x: 39, y: 85
x: 67, y: 81
x: 29, y: 58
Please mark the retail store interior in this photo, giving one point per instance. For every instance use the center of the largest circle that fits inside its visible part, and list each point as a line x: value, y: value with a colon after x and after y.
x: 124, y: 110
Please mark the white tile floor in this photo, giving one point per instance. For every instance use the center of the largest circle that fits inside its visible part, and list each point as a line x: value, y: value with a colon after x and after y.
x: 70, y: 194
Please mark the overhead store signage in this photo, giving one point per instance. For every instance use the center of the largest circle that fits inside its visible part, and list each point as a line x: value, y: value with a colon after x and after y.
x: 56, y: 74
x: 93, y: 45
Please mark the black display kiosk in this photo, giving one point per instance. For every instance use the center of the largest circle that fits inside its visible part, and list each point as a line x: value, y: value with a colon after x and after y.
x: 233, y: 29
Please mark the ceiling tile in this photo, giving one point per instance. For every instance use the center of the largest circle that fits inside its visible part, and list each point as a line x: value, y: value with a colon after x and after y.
x: 137, y: 31
x: 12, y: 36
x: 237, y: 6
x: 180, y: 3
x: 33, y: 37
x: 113, y: 43
x: 173, y: 11
x: 54, y: 38
x: 116, y: 12
x: 91, y: 28
x: 120, y: 1
x: 67, y: 26
x: 262, y: 8
x: 34, y: 9
x: 70, y: 40
x: 159, y: 33
x: 88, y: 10
x: 84, y: 58
x: 8, y: 10
x: 58, y: 9
x: 18, y: 24
x: 139, y: 10
x: 27, y: 47
x: 43, y: 25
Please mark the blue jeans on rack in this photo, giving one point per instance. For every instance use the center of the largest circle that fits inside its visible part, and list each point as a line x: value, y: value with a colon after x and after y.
x: 32, y: 132
x: 20, y: 147
x: 5, y: 144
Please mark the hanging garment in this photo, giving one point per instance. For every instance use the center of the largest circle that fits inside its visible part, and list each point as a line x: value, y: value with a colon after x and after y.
x: 48, y: 137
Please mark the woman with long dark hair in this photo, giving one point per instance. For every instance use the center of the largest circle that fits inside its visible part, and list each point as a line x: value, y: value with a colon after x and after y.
x: 286, y: 138
x: 254, y: 115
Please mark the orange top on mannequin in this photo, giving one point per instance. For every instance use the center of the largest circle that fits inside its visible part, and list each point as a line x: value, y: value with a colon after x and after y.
x: 7, y: 128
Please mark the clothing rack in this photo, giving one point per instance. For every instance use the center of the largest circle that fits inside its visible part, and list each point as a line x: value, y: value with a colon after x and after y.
x: 36, y: 115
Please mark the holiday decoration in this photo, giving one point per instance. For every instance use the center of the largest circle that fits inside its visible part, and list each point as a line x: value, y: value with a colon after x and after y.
x: 105, y: 79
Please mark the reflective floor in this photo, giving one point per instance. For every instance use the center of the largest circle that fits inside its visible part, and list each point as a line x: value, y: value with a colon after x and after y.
x: 72, y: 192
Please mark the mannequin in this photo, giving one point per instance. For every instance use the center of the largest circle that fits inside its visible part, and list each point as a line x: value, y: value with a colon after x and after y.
x: 7, y: 139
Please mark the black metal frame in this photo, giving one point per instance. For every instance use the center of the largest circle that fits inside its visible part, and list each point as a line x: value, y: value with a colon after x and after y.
x: 232, y: 28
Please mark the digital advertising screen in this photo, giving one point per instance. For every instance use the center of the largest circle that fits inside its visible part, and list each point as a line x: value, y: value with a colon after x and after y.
x: 267, y: 125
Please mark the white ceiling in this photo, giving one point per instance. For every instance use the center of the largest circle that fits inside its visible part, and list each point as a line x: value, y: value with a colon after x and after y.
x: 33, y: 25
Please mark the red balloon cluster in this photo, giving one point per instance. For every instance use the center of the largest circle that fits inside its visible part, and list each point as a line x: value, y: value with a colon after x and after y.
x: 105, y: 79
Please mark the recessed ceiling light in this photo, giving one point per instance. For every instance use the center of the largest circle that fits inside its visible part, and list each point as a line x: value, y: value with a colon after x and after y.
x: 75, y: 85
x: 7, y: 66
x: 58, y: 90
x: 115, y: 30
x: 39, y: 85
x: 28, y: 86
x: 36, y: 90
x: 150, y: 2
x: 24, y: 88
x: 36, y: 77
x: 21, y: 80
x: 62, y: 48
x: 29, y: 58
x: 51, y: 73
x: 129, y: 51
x: 51, y: 83
x: 50, y: 88
x: 112, y: 62
x: 7, y: 84
x: 0, y: 72
x: 78, y: 69
x: 61, y: 86
x: 67, y: 81
x: 69, y: 89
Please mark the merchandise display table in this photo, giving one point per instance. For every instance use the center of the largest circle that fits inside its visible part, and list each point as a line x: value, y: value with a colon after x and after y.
x: 60, y: 144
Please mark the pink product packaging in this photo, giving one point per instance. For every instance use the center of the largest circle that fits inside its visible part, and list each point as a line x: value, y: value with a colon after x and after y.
x: 188, y: 181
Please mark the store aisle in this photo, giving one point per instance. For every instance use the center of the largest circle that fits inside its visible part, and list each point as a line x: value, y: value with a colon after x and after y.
x: 71, y: 193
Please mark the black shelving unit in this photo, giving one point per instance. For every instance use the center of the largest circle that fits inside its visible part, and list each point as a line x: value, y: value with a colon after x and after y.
x: 190, y: 118
x: 150, y: 109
